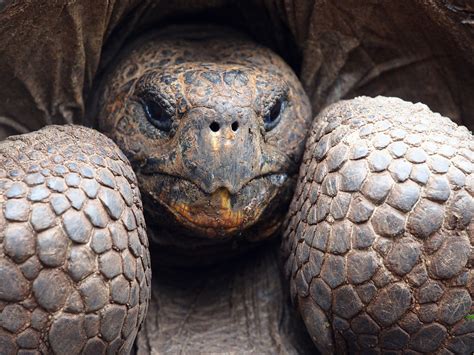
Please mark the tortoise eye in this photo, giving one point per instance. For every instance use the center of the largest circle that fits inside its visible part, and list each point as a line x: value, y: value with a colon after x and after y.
x: 157, y: 115
x: 273, y: 116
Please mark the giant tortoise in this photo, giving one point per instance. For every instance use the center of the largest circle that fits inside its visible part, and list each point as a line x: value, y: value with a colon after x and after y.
x: 277, y: 215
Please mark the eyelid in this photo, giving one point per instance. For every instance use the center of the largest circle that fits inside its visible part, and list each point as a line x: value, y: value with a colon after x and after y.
x: 161, y: 120
x: 281, y: 95
x: 271, y: 123
x: 143, y: 98
x: 282, y: 99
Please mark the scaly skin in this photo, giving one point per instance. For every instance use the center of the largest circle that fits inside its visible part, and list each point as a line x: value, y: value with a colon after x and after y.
x: 232, y: 182
x: 379, y: 242
x: 74, y: 263
x: 67, y: 253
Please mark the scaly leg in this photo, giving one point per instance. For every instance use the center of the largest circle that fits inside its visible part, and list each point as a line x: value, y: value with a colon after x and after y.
x: 379, y: 241
x: 74, y: 263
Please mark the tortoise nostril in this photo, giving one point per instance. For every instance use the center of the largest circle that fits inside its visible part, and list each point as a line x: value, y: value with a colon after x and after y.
x: 214, y: 126
x: 235, y: 126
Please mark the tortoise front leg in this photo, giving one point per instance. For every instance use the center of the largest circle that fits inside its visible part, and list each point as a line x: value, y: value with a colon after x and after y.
x: 379, y: 238
x: 74, y: 261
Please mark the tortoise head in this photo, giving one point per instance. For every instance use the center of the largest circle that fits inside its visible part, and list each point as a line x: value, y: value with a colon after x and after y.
x: 214, y: 127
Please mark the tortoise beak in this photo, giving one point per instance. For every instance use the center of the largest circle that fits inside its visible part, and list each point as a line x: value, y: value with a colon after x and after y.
x: 220, y: 214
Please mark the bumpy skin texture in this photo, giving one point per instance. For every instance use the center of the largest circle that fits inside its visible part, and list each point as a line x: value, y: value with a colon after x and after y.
x: 74, y: 263
x: 379, y: 236
x: 379, y: 241
x: 218, y: 173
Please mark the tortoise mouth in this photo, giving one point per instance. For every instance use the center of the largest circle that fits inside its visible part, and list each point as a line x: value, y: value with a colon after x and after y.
x: 223, y: 216
x: 220, y: 214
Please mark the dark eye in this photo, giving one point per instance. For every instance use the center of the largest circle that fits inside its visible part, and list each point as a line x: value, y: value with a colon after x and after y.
x: 273, y: 116
x: 157, y: 115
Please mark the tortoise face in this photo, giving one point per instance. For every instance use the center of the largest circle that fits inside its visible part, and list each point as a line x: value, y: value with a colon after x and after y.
x: 214, y: 132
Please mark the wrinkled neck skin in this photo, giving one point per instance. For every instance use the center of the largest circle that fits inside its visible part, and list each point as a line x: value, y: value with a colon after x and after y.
x: 214, y: 126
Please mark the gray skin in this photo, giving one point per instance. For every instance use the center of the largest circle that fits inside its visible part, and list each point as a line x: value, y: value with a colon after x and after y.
x: 74, y: 263
x: 379, y: 237
x: 377, y: 243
